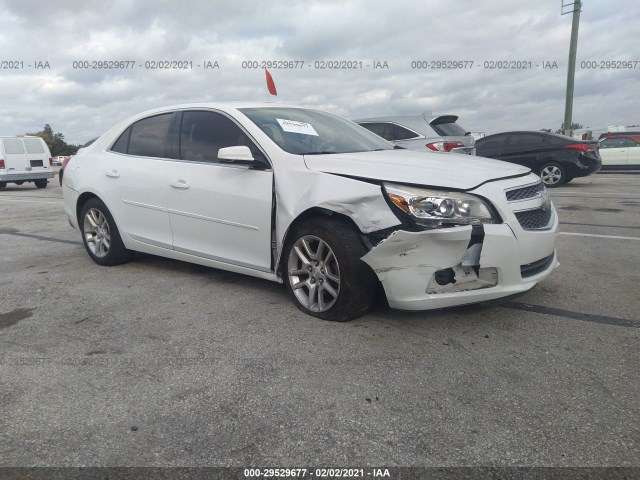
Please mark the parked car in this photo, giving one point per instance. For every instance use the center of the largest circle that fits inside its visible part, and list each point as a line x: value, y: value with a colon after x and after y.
x: 25, y: 159
x: 556, y: 158
x: 66, y: 160
x: 426, y: 132
x: 312, y: 200
x: 58, y: 160
x: 620, y: 152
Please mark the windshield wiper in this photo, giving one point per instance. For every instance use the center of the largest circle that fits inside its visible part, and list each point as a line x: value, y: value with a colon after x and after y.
x: 398, y: 147
x: 318, y: 153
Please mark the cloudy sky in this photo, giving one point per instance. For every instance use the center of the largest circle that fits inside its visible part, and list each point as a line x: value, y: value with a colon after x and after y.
x: 65, y: 35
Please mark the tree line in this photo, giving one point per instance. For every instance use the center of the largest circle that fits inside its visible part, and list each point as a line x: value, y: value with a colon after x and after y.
x: 55, y: 142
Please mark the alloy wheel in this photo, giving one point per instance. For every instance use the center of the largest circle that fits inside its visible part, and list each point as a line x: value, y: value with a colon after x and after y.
x: 314, y: 273
x: 97, y: 233
x: 551, y: 174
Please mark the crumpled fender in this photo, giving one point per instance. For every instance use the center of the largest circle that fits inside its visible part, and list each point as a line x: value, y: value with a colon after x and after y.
x: 363, y: 202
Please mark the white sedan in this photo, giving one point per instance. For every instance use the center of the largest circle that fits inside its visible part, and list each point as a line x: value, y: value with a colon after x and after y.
x: 312, y: 200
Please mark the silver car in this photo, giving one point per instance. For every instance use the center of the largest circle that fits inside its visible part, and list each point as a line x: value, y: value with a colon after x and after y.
x: 425, y: 132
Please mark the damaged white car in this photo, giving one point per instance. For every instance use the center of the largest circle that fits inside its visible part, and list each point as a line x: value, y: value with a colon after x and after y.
x: 313, y: 200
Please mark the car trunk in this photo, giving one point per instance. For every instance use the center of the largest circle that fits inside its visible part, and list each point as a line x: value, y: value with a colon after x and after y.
x: 446, y: 126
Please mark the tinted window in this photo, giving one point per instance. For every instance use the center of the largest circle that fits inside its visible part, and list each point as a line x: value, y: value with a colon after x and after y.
x: 204, y: 133
x: 121, y: 145
x: 402, y: 133
x: 34, y: 145
x: 524, y: 140
x: 150, y: 137
x: 384, y: 130
x: 13, y: 146
x: 447, y: 127
x: 492, y: 144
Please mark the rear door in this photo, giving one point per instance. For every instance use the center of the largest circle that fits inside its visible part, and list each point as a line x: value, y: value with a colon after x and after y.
x: 15, y: 156
x: 527, y: 149
x: 37, y: 155
x: 218, y: 210
x: 614, y: 151
x: 134, y: 180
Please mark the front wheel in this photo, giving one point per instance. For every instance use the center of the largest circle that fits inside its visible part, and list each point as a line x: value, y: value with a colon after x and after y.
x: 553, y: 174
x: 100, y: 235
x: 324, y: 273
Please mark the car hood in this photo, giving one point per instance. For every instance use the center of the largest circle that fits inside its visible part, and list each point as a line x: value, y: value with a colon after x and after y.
x: 449, y: 170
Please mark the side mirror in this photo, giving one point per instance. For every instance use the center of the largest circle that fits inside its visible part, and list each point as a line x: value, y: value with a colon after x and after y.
x: 240, y: 154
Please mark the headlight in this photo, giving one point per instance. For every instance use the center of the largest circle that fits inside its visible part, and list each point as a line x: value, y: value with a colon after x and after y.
x: 435, y: 208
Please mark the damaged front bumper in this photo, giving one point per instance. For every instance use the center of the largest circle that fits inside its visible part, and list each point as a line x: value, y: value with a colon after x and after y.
x: 460, y: 265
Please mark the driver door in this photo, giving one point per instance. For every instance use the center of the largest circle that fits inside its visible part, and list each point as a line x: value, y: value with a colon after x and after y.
x: 221, y: 211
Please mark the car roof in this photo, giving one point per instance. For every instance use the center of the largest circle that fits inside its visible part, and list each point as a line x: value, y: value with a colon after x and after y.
x: 225, y: 106
x: 427, y: 117
x: 564, y: 137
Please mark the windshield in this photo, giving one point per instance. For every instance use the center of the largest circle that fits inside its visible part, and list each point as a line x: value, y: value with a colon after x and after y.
x: 308, y: 132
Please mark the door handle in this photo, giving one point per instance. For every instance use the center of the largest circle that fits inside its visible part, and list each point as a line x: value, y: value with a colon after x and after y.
x: 182, y: 184
x: 112, y: 174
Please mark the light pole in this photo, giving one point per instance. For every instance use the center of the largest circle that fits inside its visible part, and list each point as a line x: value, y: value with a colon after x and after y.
x: 571, y: 7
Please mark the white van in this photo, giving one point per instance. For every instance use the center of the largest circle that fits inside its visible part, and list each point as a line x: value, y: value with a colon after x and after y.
x: 24, y: 159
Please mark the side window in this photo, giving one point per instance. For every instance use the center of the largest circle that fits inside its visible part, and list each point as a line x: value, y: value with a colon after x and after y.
x: 33, y: 145
x: 402, y: 133
x: 202, y: 134
x: 613, y: 143
x: 518, y: 141
x: 150, y: 137
x: 122, y: 144
x: 384, y: 130
x: 494, y: 144
x: 13, y: 146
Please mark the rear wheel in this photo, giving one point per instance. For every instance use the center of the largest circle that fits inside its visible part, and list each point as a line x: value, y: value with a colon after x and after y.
x: 100, y: 235
x: 553, y: 174
x: 324, y: 273
x: 3, y: 184
x: 41, y: 183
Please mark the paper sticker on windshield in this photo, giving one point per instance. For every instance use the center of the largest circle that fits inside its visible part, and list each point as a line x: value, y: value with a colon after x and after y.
x: 297, y: 127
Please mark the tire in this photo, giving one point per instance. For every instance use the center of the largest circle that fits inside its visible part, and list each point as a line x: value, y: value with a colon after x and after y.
x: 19, y: 183
x: 323, y: 272
x: 100, y: 235
x: 553, y: 174
x: 3, y: 184
x: 41, y: 183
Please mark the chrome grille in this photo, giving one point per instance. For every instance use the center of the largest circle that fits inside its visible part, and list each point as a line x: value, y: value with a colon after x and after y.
x: 536, y: 219
x: 530, y: 191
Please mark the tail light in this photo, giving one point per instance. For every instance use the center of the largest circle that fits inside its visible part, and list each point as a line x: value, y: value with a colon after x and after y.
x: 583, y: 147
x: 2, y: 167
x: 51, y: 161
x: 444, y: 146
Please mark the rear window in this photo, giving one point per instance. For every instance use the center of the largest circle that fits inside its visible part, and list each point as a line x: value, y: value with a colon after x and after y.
x: 13, y: 146
x: 447, y: 127
x: 33, y: 145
